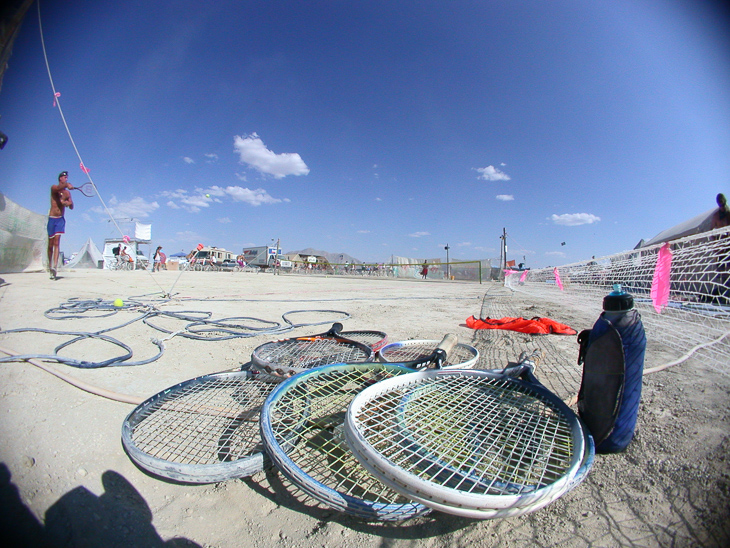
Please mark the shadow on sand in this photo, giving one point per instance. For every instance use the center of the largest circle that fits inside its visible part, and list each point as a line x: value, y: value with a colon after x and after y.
x: 118, y: 517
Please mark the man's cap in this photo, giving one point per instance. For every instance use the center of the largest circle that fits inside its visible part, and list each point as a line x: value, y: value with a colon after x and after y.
x: 62, y: 174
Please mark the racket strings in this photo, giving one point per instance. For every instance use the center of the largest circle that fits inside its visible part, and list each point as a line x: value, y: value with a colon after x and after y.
x: 466, y: 437
x: 280, y: 356
x: 374, y: 339
x: 204, y: 423
x: 320, y: 450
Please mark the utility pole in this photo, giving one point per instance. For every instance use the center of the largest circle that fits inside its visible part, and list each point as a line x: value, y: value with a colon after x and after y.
x: 276, y: 258
x: 448, y: 270
x: 503, y: 252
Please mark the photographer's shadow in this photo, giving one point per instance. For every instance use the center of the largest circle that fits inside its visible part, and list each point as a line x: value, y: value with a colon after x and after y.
x: 118, y: 517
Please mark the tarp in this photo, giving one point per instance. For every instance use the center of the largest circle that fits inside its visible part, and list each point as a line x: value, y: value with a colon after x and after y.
x: 87, y: 257
x: 23, y: 238
x: 534, y: 326
x: 143, y: 231
x: 695, y: 225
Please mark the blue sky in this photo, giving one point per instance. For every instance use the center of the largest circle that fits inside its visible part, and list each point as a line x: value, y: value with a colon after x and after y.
x: 375, y: 128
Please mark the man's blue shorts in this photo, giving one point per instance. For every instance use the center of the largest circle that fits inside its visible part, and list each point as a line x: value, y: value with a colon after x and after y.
x: 56, y: 225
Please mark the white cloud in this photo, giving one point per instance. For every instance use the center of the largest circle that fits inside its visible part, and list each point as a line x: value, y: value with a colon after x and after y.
x: 253, y: 197
x: 224, y: 220
x: 378, y: 199
x: 187, y: 236
x: 136, y: 207
x: 555, y: 253
x: 574, y: 219
x: 463, y: 244
x: 419, y: 234
x: 205, y: 197
x: 211, y: 158
x: 252, y: 151
x: 188, y: 160
x: 505, y: 197
x: 491, y: 173
x: 363, y: 232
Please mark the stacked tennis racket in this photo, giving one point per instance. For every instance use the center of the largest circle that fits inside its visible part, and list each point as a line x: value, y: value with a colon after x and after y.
x: 386, y: 440
x: 206, y: 429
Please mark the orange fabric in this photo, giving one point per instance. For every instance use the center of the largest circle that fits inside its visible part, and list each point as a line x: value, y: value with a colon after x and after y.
x: 535, y: 326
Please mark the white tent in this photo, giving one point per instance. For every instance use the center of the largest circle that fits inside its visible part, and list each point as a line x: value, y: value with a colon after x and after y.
x: 87, y: 257
x: 695, y: 225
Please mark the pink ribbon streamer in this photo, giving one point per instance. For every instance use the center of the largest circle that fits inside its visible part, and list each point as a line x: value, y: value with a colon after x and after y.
x: 125, y: 239
x: 84, y: 168
x: 557, y: 278
x: 523, y: 276
x: 660, y: 282
x: 57, y: 94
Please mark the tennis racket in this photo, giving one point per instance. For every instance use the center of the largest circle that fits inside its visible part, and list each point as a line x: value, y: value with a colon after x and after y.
x: 87, y: 189
x: 203, y: 430
x: 302, y: 425
x: 462, y: 356
x: 374, y: 339
x: 288, y: 357
x: 477, y: 444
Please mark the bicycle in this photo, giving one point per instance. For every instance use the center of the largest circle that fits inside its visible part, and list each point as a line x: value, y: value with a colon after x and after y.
x: 121, y: 264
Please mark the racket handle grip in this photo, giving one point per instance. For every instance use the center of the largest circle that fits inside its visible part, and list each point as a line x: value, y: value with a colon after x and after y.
x: 448, y: 343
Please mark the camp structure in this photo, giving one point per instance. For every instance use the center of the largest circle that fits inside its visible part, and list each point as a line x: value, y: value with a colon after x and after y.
x: 88, y: 256
x: 695, y: 225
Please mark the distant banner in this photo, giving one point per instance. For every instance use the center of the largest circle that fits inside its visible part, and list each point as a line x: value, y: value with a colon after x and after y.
x: 142, y: 231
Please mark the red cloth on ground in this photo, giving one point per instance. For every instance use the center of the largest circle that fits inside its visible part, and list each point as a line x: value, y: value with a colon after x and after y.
x: 535, y: 326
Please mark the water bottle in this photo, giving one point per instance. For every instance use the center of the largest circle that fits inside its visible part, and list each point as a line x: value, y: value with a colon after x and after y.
x: 613, y: 366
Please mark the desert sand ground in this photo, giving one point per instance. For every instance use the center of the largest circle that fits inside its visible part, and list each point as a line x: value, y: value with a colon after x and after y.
x: 66, y: 480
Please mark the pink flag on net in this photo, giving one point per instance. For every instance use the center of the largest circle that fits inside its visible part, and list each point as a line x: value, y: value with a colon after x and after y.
x: 57, y: 94
x: 523, y: 276
x: 557, y: 278
x: 660, y: 282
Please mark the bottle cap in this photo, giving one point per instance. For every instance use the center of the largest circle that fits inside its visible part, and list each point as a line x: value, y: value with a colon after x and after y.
x: 618, y: 300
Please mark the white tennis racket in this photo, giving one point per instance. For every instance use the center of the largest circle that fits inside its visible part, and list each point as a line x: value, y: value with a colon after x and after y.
x: 462, y: 356
x: 472, y: 443
x: 203, y: 430
x: 302, y: 430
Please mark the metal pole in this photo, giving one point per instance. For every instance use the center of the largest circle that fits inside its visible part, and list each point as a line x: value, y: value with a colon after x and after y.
x: 448, y: 268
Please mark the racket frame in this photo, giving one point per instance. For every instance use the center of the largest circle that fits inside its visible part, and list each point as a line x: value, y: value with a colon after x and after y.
x: 457, y: 351
x: 341, y: 501
x: 261, y: 362
x: 87, y: 189
x: 364, y: 336
x: 255, y: 462
x: 462, y: 503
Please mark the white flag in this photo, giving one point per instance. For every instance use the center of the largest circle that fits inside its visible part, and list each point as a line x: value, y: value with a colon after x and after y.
x: 143, y: 232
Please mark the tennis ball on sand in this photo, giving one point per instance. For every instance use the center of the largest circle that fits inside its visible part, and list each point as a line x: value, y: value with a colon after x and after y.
x: 119, y: 303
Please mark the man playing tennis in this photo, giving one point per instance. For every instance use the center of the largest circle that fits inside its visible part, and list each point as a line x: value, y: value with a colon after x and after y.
x: 60, y: 199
